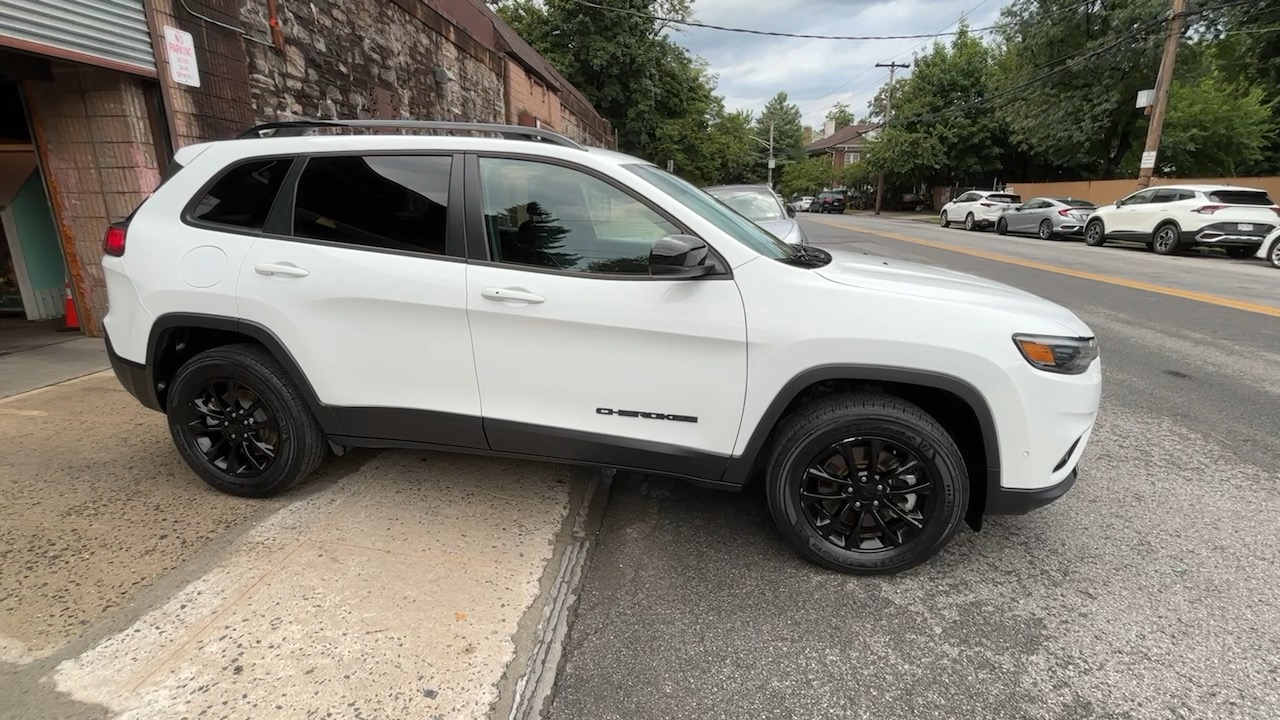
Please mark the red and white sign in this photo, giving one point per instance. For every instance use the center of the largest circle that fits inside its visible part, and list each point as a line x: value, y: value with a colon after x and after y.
x: 180, y: 49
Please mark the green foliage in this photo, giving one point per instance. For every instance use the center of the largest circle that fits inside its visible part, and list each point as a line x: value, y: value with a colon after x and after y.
x: 788, y: 132
x: 736, y: 153
x: 807, y: 176
x: 860, y: 174
x: 841, y: 115
x: 1213, y: 128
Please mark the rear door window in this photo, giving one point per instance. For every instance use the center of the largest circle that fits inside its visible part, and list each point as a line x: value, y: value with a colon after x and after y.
x: 1240, y: 197
x: 243, y: 196
x: 386, y: 202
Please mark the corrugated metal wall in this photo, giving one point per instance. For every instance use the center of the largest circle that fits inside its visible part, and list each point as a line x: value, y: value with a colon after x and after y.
x: 109, y: 30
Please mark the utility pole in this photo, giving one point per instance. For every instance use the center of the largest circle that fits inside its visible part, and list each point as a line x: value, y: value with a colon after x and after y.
x: 1176, y: 22
x: 771, y: 160
x: 888, y: 113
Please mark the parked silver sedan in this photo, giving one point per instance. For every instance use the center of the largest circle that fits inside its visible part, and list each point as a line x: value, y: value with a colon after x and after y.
x: 762, y: 206
x: 1046, y: 217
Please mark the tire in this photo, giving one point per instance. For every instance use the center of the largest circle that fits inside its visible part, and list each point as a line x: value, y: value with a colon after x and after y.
x: 1240, y: 252
x: 1164, y: 240
x: 1095, y: 235
x: 943, y: 221
x: 1045, y: 231
x: 905, y: 432
x: 243, y: 377
x: 1273, y: 255
x: 1002, y: 227
x: 969, y: 223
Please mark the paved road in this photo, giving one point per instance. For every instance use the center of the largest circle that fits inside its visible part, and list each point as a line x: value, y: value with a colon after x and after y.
x: 1149, y: 591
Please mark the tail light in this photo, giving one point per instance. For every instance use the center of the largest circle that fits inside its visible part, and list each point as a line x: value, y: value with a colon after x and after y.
x: 1209, y: 209
x: 987, y: 204
x: 1276, y: 209
x: 113, y: 243
x: 1066, y: 212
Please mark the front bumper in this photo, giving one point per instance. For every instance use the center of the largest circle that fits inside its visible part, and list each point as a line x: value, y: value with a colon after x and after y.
x: 134, y: 377
x: 1008, y: 501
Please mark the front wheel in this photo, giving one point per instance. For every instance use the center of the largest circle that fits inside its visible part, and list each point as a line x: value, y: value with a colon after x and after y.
x: 1002, y: 227
x: 866, y: 484
x: 240, y: 423
x: 1273, y: 255
x: 1094, y: 234
x: 943, y: 221
x: 1240, y: 252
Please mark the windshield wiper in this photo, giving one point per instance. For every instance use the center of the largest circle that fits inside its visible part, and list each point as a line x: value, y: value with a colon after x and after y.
x: 806, y: 256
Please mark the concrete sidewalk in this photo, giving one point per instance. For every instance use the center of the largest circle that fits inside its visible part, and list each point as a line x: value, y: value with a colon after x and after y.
x: 394, y: 584
x: 53, y: 363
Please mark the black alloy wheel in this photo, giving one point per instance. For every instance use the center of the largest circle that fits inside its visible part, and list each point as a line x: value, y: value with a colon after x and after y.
x: 866, y: 483
x: 232, y: 428
x: 1046, y: 230
x: 241, y: 423
x: 867, y: 494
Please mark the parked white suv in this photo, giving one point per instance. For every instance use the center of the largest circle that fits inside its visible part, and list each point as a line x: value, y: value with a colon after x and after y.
x: 522, y: 295
x: 977, y: 209
x: 1171, y: 218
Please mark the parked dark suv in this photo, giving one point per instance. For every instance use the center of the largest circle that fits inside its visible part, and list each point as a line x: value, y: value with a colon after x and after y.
x: 828, y: 202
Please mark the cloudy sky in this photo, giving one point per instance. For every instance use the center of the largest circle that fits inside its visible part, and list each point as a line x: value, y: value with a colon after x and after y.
x: 817, y: 73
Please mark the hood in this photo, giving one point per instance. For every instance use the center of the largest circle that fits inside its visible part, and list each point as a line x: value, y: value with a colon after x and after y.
x: 917, y: 280
x: 785, y: 229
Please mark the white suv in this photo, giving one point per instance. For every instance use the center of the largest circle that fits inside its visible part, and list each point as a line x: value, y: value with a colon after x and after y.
x: 281, y: 296
x: 1171, y: 218
x: 977, y: 209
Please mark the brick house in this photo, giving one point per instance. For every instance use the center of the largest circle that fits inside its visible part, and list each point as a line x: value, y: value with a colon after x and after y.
x: 845, y: 146
x: 95, y: 97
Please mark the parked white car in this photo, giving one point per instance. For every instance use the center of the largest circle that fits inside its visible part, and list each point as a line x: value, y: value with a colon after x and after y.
x: 280, y: 297
x: 1171, y: 218
x: 802, y: 205
x: 977, y: 209
x: 1269, y: 250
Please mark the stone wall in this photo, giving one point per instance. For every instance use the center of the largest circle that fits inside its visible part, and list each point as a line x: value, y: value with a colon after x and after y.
x: 93, y: 130
x: 370, y: 59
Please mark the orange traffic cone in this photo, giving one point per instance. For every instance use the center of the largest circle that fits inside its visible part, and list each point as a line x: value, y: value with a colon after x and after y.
x: 73, y: 320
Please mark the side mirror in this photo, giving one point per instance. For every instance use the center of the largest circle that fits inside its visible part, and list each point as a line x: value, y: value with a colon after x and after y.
x: 1119, y: 203
x: 679, y: 256
x: 791, y: 212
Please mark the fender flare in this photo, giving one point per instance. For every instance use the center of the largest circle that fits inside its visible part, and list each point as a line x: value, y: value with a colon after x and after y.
x: 741, y: 466
x: 260, y: 334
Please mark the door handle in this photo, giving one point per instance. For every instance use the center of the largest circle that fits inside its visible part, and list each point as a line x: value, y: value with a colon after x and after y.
x: 512, y: 294
x: 285, y: 269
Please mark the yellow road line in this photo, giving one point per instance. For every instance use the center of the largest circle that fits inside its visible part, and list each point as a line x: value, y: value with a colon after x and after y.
x: 1084, y: 274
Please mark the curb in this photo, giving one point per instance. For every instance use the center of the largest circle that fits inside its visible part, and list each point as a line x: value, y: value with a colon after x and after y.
x: 530, y: 692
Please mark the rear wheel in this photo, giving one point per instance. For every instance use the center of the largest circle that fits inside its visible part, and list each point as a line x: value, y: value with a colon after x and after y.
x: 1240, y: 252
x: 1095, y: 234
x: 240, y: 424
x: 969, y: 223
x: 1045, y: 230
x: 1164, y: 241
x: 1002, y: 227
x: 1273, y: 255
x: 866, y: 484
x: 943, y: 221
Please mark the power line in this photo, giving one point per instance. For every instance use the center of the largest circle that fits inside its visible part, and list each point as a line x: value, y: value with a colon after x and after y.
x: 774, y: 33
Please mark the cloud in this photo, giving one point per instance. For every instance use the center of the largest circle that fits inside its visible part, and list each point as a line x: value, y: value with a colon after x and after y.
x: 816, y: 74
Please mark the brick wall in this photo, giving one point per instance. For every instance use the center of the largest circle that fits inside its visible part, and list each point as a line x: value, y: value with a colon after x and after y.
x: 92, y: 129
x: 367, y: 59
x: 528, y: 97
x: 222, y: 106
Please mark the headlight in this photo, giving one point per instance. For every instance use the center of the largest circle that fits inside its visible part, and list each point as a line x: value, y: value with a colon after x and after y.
x: 1066, y: 355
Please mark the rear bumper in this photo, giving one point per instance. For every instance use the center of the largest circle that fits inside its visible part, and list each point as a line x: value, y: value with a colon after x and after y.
x: 1007, y: 501
x: 134, y: 378
x: 1227, y: 234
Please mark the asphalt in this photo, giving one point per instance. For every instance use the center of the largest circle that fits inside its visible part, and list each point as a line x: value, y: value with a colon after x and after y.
x: 1149, y: 591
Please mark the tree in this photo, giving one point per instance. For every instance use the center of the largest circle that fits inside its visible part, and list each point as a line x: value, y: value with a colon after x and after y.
x: 788, y: 131
x: 807, y: 176
x: 1214, y: 127
x: 737, y: 153
x: 1081, y: 119
x: 840, y: 115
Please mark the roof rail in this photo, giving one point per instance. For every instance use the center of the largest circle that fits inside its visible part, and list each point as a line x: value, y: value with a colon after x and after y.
x: 291, y: 128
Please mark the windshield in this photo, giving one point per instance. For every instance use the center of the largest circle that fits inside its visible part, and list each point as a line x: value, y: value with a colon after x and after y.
x: 754, y: 203
x: 715, y: 212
